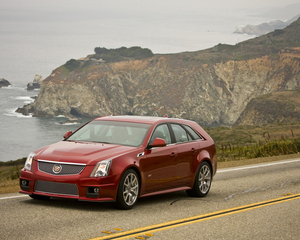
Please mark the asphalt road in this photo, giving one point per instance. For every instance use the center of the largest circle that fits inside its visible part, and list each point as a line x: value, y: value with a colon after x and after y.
x: 250, y: 202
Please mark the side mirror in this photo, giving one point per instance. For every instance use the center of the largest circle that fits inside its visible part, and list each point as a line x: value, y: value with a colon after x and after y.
x: 67, y: 134
x: 158, y: 142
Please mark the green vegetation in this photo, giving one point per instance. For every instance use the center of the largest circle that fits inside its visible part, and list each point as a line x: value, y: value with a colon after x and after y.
x: 11, y: 170
x: 121, y: 54
x: 246, y: 142
x: 106, y: 56
x: 72, y: 64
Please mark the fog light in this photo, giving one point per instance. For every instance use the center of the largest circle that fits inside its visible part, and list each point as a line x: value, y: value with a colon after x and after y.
x: 24, y: 183
x: 92, y: 192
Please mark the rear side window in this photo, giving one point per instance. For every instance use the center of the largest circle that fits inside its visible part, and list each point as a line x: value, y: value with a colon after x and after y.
x: 180, y: 134
x: 192, y: 132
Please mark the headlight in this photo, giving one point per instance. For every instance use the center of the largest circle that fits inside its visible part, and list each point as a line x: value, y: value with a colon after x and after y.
x: 28, y: 162
x: 101, y: 169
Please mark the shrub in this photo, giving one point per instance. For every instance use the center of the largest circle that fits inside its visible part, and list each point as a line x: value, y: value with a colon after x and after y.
x: 122, y: 53
x: 72, y: 64
x: 275, y: 148
x: 99, y: 50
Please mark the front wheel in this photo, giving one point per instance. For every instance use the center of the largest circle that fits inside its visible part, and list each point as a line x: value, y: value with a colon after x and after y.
x: 128, y: 190
x: 202, y: 181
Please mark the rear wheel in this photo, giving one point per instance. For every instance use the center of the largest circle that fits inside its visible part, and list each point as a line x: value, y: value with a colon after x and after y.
x: 202, y: 181
x: 39, y: 197
x: 128, y: 190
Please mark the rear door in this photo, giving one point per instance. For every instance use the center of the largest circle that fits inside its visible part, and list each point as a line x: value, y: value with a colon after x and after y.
x: 187, y: 152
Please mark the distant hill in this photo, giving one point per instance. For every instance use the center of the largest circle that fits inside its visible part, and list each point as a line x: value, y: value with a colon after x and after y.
x: 211, y: 87
x: 265, y: 28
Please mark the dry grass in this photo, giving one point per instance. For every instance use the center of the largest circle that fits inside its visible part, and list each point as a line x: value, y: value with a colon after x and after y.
x: 256, y: 160
x: 9, y: 186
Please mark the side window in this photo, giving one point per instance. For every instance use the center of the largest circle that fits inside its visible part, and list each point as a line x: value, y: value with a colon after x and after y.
x: 192, y: 132
x: 180, y: 134
x: 162, y: 131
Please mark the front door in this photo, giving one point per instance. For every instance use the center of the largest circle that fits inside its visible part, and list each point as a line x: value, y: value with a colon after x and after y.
x: 161, y: 162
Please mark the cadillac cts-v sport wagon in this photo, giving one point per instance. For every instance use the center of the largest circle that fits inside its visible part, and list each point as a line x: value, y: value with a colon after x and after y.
x: 123, y: 158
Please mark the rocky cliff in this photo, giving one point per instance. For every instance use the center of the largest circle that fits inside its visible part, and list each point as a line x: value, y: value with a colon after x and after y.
x: 212, y: 86
x: 276, y: 107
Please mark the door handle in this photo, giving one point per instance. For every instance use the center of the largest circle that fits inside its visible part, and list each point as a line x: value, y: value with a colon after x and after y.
x: 193, y: 150
x: 173, y: 155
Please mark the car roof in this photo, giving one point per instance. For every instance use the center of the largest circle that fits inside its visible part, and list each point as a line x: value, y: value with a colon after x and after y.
x: 141, y: 119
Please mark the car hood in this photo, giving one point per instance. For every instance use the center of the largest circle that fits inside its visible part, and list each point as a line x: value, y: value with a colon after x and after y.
x: 81, y: 152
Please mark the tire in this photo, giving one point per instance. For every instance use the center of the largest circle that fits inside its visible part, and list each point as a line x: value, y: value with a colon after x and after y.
x: 39, y: 197
x: 128, y: 190
x: 202, y: 181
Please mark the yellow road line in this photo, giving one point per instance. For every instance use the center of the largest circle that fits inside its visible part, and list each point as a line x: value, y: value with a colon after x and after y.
x: 185, y: 221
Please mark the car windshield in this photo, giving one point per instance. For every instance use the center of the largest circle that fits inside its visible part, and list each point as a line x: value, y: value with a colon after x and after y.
x: 112, y: 132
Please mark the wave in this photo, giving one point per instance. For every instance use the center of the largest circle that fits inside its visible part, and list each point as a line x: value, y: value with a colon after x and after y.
x: 11, y: 87
x: 26, y: 99
x: 13, y: 113
x: 23, y: 98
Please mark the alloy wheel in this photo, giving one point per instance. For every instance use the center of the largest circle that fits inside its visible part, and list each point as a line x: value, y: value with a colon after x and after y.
x: 130, y: 189
x: 204, y: 179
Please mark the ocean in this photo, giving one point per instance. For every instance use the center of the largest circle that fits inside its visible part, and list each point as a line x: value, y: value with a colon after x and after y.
x: 36, y: 41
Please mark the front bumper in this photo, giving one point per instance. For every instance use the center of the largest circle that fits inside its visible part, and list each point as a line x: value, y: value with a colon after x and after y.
x: 80, y: 186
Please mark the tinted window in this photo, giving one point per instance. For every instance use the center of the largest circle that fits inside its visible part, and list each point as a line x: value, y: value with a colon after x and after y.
x: 180, y: 134
x: 162, y: 131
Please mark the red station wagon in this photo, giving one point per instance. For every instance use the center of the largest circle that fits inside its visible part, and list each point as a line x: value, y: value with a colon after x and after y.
x: 122, y: 158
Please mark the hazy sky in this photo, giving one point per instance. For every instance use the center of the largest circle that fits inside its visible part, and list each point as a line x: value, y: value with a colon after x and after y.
x: 137, y: 19
x: 40, y: 35
x: 145, y: 6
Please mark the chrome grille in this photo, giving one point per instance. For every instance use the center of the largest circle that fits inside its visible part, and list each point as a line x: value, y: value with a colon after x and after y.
x: 56, y: 188
x: 66, y: 168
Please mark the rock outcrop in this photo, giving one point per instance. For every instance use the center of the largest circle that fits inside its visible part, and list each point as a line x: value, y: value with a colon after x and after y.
x: 4, y: 83
x: 211, y: 87
x: 276, y: 107
x: 36, y: 83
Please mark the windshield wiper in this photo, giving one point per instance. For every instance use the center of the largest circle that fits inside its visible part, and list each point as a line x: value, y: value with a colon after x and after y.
x: 100, y: 142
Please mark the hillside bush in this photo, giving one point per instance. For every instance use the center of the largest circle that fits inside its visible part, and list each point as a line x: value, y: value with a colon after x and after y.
x: 274, y: 148
x: 122, y: 53
x: 72, y: 64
